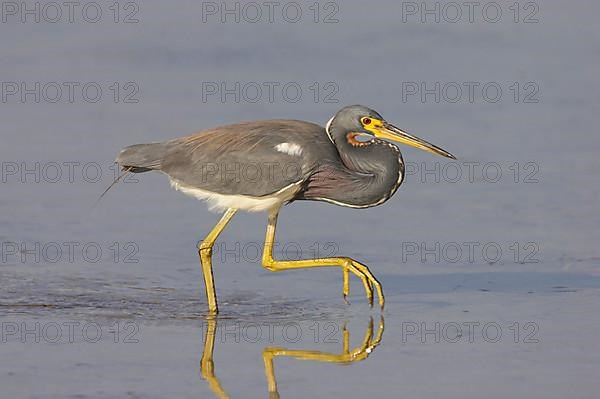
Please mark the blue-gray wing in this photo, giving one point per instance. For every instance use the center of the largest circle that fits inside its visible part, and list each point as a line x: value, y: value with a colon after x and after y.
x: 252, y: 158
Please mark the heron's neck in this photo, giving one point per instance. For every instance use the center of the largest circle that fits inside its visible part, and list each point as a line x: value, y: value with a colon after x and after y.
x: 376, y: 169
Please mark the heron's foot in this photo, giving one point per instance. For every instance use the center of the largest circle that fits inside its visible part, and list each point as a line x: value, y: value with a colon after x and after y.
x: 371, y: 283
x: 346, y: 264
x: 346, y: 285
x: 349, y: 264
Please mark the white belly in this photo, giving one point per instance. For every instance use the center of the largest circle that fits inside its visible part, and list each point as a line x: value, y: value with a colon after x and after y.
x: 220, y: 202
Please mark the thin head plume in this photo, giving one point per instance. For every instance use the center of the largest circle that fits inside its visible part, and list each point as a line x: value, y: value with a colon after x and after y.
x: 127, y: 170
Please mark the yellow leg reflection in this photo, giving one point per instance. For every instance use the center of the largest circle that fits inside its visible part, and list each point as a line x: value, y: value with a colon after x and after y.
x: 361, y: 352
x: 207, y: 365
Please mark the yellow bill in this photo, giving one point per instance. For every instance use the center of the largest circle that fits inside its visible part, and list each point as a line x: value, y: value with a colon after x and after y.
x: 385, y: 130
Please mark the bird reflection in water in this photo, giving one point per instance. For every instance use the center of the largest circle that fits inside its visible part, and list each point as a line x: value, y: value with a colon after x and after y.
x: 370, y: 341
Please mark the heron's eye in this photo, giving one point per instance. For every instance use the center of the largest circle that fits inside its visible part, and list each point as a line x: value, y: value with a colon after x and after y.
x: 366, y: 121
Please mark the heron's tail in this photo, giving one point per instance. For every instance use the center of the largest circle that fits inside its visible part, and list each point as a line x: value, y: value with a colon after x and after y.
x: 140, y: 158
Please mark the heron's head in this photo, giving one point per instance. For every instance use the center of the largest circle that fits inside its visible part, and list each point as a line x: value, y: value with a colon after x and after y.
x: 360, y: 125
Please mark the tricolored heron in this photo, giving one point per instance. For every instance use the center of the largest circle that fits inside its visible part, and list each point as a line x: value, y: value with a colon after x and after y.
x: 262, y: 165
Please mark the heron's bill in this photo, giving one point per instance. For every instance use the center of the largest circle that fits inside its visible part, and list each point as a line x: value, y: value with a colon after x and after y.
x: 391, y: 132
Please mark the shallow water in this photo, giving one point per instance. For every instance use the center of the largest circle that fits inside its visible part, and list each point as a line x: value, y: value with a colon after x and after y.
x: 491, y: 286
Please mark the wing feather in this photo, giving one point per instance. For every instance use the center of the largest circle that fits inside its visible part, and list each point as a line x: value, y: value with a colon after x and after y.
x: 242, y: 159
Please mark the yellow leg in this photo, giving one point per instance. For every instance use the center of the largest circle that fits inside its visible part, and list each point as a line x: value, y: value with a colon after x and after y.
x: 346, y: 288
x: 205, y: 251
x: 347, y: 356
x: 207, y: 365
x: 347, y: 264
